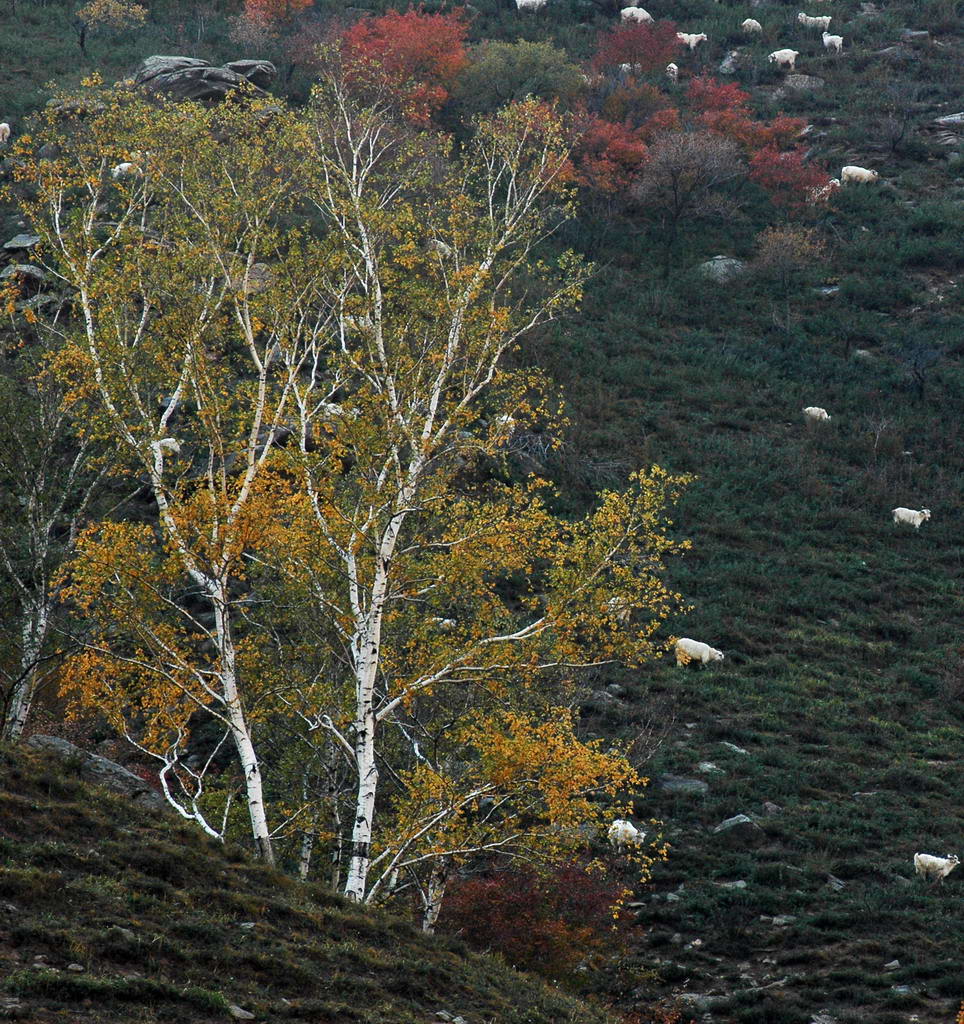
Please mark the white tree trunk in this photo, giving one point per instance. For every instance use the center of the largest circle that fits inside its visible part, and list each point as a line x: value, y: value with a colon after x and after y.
x: 240, y: 732
x: 34, y: 632
x: 361, y: 836
x: 434, y: 894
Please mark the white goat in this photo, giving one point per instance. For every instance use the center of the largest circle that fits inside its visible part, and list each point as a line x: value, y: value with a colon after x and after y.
x: 816, y: 414
x: 688, y: 650
x: 857, y: 175
x: 4, y: 131
x: 691, y: 39
x: 672, y: 73
x: 751, y: 25
x: 935, y: 868
x: 530, y: 5
x: 125, y: 170
x: 822, y: 23
x: 784, y: 58
x: 834, y: 43
x: 911, y: 517
x: 623, y: 833
x: 635, y: 14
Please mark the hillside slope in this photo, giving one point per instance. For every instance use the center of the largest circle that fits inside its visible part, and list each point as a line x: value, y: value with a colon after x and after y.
x: 107, y: 914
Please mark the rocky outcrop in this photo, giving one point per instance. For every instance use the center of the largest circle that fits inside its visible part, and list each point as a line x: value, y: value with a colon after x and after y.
x: 99, y: 770
x: 187, y: 78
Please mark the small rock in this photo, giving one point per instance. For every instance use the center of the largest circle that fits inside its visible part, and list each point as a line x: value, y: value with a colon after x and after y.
x: 802, y: 83
x: 247, y: 925
x: 951, y: 120
x: 771, y: 808
x: 782, y: 920
x: 708, y: 768
x: 867, y: 796
x: 677, y: 939
x: 9, y: 908
x: 827, y: 289
x: 730, y: 63
x: 672, y: 897
x: 695, y: 944
x: 76, y: 968
x: 835, y: 883
x: 892, y: 966
x: 741, y: 829
x: 735, y: 748
x: 23, y: 241
x: 863, y: 353
x: 443, y: 1015
x: 722, y: 268
x: 691, y: 725
x: 238, y: 1014
x: 738, y: 884
x: 123, y: 933
x: 823, y: 1017
x: 910, y: 35
x: 901, y: 990
x: 678, y: 784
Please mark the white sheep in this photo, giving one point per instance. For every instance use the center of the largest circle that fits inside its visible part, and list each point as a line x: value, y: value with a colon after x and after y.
x: 857, y: 175
x: 672, y: 73
x: 822, y: 23
x: 935, y: 868
x: 784, y: 58
x: 751, y: 25
x: 623, y: 833
x: 530, y: 5
x: 834, y: 43
x: 4, y: 131
x: 445, y: 625
x: 688, y: 650
x: 125, y: 170
x: 631, y: 69
x: 636, y: 14
x: 910, y: 516
x: 691, y: 39
x: 816, y: 414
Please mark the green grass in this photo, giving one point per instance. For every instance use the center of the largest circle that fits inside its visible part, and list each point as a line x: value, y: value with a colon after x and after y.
x: 150, y: 909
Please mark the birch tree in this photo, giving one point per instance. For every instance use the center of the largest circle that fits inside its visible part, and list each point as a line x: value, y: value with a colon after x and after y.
x: 433, y: 572
x: 193, y: 311
x: 49, y: 483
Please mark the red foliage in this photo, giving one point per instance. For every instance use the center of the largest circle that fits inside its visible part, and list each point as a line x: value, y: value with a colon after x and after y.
x: 607, y: 156
x: 667, y: 120
x: 543, y: 925
x: 786, y: 177
x: 418, y: 55
x: 722, y: 108
x: 644, y: 47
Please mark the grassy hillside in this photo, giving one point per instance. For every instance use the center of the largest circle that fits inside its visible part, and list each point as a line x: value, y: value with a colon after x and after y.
x: 844, y: 673
x: 110, y: 915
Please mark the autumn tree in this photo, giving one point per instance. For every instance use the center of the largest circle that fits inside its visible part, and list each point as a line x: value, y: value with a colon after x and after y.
x: 415, y: 56
x: 643, y: 48
x: 191, y: 312
x: 111, y: 15
x: 787, y: 177
x: 683, y: 178
x: 443, y: 586
x: 607, y: 156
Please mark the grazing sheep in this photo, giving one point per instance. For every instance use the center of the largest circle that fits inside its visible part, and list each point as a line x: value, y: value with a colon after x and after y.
x: 4, y: 131
x: 784, y: 58
x: 751, y: 25
x: 935, y: 868
x: 834, y: 43
x: 623, y: 833
x: 815, y: 413
x: 857, y: 175
x: 672, y: 73
x: 125, y: 170
x: 822, y: 23
x: 911, y: 517
x: 530, y: 5
x: 691, y: 39
x: 635, y: 14
x: 693, y: 650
